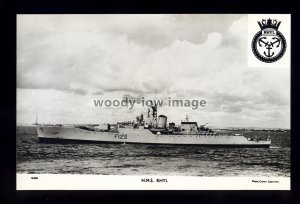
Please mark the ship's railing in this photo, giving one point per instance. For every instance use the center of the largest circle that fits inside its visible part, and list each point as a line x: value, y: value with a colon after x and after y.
x: 219, y: 134
x: 208, y: 133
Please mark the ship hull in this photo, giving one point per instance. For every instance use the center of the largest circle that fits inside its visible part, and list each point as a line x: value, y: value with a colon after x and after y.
x: 68, y: 141
x: 142, y: 136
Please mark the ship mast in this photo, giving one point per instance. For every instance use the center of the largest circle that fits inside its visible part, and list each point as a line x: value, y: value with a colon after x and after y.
x: 187, y: 118
x: 154, y: 113
x: 36, y: 120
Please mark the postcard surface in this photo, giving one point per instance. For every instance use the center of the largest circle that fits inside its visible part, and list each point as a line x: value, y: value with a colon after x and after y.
x: 153, y: 102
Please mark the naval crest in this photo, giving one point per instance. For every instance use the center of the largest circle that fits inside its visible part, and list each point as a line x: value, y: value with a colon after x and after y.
x: 269, y: 44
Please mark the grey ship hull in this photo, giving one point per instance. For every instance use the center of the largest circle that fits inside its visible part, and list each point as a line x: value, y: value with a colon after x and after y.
x: 142, y: 136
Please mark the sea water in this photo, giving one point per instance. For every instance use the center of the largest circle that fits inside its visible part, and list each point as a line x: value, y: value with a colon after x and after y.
x: 134, y: 159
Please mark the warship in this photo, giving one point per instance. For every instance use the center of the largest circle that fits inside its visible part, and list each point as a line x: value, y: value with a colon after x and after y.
x: 152, y: 129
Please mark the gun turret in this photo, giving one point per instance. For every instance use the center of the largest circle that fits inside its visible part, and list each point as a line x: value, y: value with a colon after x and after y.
x: 203, y: 128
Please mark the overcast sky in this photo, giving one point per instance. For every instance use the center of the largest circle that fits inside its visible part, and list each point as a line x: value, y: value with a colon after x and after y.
x: 66, y: 61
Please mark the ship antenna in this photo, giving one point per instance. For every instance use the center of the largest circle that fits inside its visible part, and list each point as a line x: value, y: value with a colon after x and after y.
x: 187, y: 118
x: 155, y: 104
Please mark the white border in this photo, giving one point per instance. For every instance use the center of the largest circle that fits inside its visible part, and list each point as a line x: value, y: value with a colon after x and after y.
x: 116, y: 182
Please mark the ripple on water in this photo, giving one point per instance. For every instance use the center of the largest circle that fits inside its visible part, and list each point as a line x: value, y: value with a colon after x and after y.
x: 110, y: 159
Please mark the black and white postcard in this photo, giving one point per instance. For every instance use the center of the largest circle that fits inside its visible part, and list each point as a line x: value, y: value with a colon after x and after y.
x: 153, y: 102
